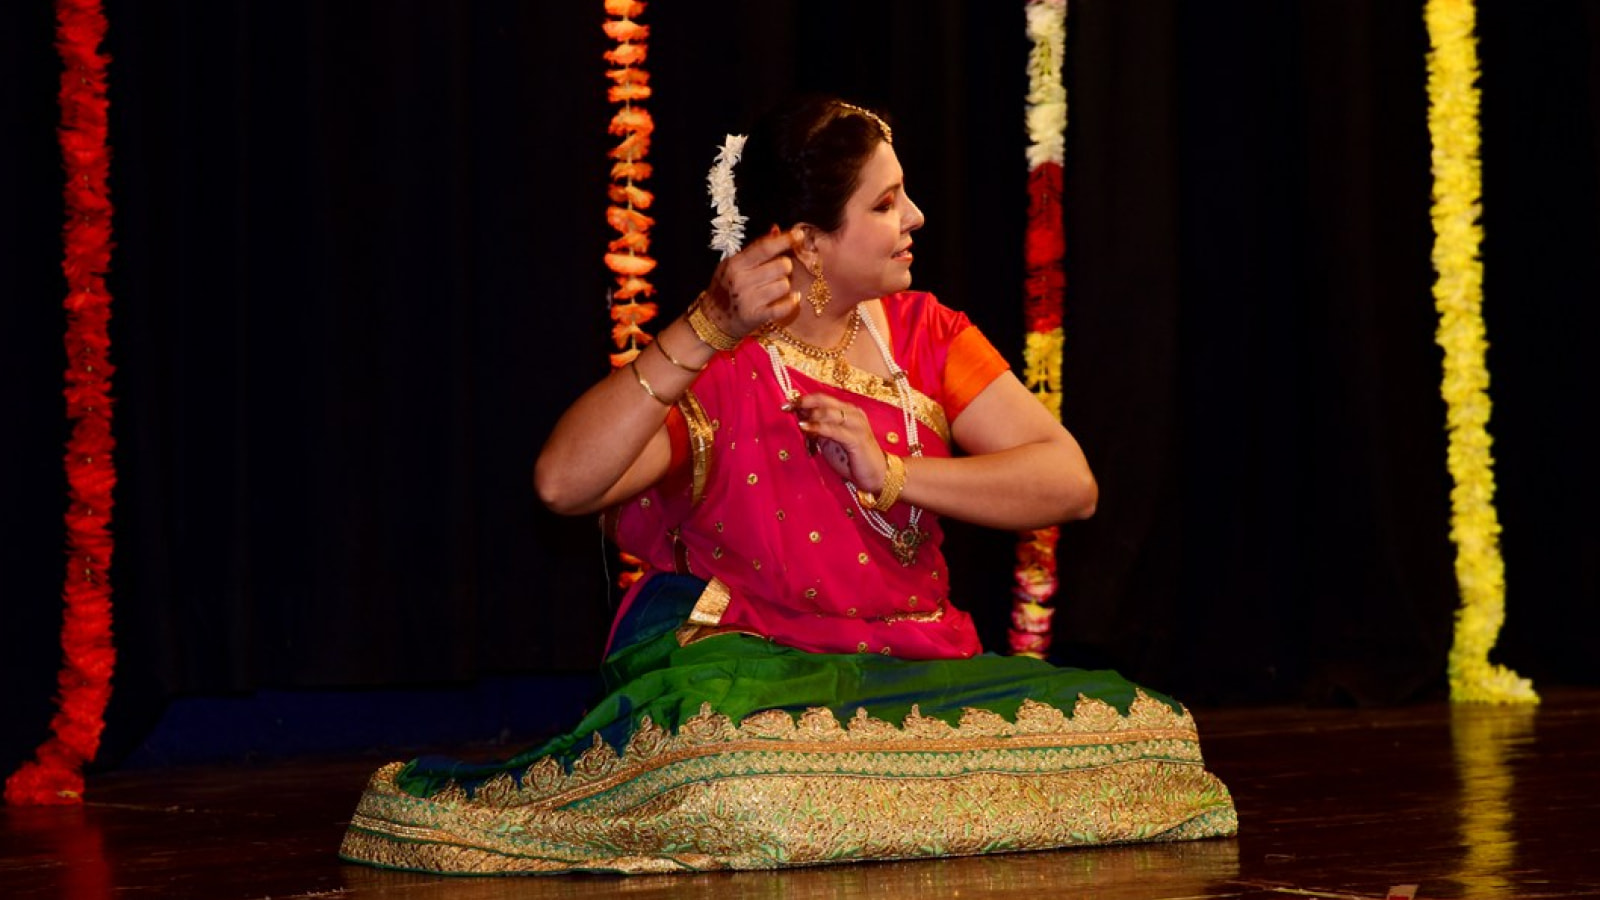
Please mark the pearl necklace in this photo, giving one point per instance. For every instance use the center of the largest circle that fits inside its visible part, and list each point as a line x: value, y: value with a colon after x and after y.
x: 903, y: 541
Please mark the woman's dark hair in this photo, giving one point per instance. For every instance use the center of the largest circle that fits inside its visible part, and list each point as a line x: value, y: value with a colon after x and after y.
x: 802, y: 162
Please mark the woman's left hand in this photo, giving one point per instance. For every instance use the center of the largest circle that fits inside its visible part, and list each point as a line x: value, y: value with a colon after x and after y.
x: 844, y: 438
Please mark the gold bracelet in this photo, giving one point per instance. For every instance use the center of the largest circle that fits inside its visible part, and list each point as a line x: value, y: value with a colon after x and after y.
x: 672, y: 359
x: 634, y: 365
x: 894, y: 481
x: 708, y: 331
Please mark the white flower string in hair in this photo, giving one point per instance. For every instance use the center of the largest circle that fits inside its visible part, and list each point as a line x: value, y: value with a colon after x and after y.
x: 727, y: 226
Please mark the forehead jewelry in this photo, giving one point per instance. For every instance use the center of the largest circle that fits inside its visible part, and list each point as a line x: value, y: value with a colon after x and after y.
x: 888, y: 133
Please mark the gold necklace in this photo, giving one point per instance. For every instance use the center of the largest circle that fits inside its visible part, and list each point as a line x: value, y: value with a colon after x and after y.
x: 852, y: 328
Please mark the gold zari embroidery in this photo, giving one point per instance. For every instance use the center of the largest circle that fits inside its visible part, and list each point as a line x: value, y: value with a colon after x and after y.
x: 932, y: 615
x: 706, y: 615
x: 859, y: 381
x: 712, y: 604
x: 701, y: 434
x: 776, y: 790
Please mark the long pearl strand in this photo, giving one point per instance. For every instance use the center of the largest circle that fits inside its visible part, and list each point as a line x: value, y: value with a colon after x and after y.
x: 905, y: 541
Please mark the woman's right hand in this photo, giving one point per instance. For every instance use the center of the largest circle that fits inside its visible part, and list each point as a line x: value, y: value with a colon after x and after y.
x: 753, y: 288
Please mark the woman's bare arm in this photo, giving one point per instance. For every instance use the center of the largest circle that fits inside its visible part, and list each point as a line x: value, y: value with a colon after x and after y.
x: 1022, y: 469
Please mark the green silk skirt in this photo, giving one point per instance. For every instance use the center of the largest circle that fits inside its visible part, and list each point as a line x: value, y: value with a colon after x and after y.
x: 736, y: 753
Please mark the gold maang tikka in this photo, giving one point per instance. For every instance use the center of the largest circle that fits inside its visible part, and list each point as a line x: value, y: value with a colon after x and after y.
x: 883, y: 127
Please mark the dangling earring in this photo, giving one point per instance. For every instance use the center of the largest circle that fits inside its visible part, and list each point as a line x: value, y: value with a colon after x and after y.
x: 819, y: 293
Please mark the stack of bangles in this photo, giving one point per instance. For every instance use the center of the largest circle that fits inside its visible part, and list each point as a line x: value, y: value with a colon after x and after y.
x: 707, y: 330
x: 894, y: 481
x: 704, y: 329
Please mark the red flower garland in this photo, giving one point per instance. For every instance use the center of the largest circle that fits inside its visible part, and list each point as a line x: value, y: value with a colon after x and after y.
x: 1045, y: 284
x: 1044, y: 249
x: 56, y: 774
x: 628, y: 255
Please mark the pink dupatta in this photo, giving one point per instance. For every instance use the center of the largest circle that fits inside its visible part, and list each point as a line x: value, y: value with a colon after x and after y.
x: 787, y: 553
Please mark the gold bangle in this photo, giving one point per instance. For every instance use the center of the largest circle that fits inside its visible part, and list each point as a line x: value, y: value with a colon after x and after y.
x: 634, y: 365
x: 708, y: 331
x: 672, y: 359
x: 894, y: 481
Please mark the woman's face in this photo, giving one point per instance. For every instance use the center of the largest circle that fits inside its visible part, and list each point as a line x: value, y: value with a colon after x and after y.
x: 869, y: 254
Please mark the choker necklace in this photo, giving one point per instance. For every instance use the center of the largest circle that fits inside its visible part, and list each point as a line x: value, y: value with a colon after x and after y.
x: 904, y: 541
x: 851, y: 328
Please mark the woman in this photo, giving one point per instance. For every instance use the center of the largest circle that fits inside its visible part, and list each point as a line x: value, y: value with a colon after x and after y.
x: 790, y: 683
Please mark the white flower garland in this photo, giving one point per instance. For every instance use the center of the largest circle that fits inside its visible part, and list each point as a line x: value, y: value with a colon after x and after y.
x: 727, y: 226
x: 1047, y: 95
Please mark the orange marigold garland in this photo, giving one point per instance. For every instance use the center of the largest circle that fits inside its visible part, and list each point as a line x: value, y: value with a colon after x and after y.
x: 628, y: 256
x: 1043, y: 250
x: 55, y: 776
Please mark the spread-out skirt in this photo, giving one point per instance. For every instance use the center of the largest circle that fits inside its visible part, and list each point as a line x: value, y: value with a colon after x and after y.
x: 735, y: 753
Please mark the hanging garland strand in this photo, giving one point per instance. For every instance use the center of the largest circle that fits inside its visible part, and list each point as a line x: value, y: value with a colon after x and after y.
x: 1458, y: 295
x: 55, y: 776
x: 628, y: 256
x: 1045, y: 246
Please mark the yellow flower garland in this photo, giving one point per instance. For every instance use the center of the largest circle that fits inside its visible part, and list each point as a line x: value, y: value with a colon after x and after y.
x: 1042, y: 367
x: 1458, y: 295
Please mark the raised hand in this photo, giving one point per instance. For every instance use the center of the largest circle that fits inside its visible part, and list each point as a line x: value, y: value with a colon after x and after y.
x: 752, y: 288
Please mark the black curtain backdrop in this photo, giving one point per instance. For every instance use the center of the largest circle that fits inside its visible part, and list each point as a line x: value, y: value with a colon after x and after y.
x: 358, y: 277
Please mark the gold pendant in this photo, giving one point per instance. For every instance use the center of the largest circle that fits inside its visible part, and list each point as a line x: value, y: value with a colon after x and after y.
x: 906, y: 542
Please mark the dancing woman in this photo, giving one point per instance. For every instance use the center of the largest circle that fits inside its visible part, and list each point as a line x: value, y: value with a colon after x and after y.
x: 792, y: 682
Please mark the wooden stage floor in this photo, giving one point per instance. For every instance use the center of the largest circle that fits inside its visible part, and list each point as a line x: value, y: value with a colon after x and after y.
x: 1476, y: 802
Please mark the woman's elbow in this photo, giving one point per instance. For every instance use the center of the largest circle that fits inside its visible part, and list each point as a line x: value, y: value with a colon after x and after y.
x: 556, y: 491
x: 1082, y: 498
x: 1087, y: 498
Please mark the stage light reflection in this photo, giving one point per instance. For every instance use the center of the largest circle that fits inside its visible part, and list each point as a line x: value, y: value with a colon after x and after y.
x: 1487, y: 742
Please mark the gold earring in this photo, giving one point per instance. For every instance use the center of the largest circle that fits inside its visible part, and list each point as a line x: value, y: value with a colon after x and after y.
x: 819, y: 294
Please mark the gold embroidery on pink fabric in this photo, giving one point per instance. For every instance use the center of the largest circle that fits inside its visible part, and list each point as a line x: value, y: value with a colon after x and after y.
x: 712, y: 604
x: 701, y: 435
x: 846, y: 377
x: 932, y: 615
x: 707, y: 614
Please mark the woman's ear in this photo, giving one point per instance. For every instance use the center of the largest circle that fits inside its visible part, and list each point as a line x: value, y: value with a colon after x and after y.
x: 806, y: 239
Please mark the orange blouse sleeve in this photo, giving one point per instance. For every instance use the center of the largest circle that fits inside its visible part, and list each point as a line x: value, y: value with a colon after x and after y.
x: 971, y: 365
x: 947, y: 357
